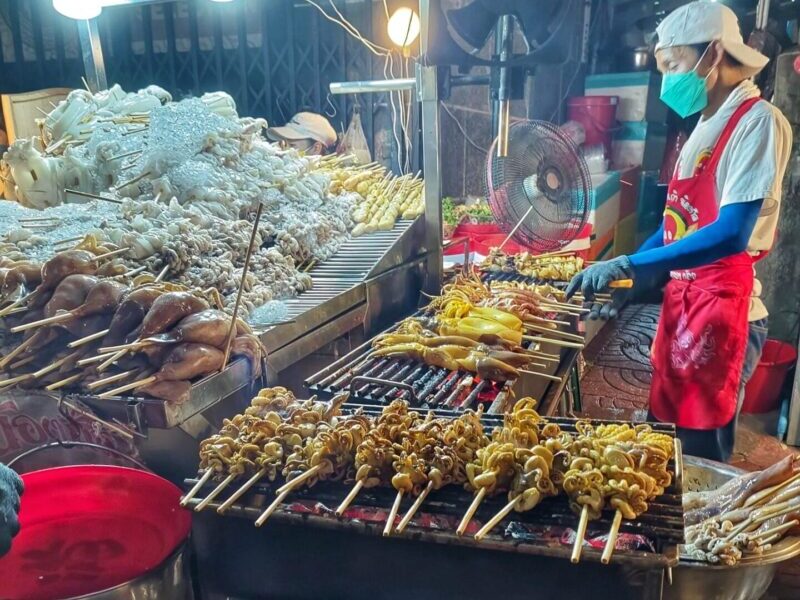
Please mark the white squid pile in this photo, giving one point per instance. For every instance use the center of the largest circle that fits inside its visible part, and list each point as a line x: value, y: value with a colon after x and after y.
x: 182, y: 181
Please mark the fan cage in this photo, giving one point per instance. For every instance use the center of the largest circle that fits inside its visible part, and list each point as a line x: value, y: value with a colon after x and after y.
x: 542, y: 190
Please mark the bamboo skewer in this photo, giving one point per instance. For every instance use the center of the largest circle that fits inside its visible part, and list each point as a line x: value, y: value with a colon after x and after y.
x: 777, y: 530
x: 476, y: 501
x: 92, y: 196
x: 414, y: 508
x: 15, y: 380
x: 162, y: 274
x: 111, y: 254
x: 554, y: 342
x: 271, y: 508
x: 290, y: 485
x: 214, y: 493
x: 763, y: 494
x: 88, y: 338
x: 387, y: 530
x: 56, y: 365
x: 111, y: 379
x: 196, y: 487
x: 580, y: 535
x: 16, y: 352
x: 495, y: 520
x: 611, y: 543
x: 64, y: 382
x: 245, y: 269
x: 240, y: 492
x: 350, y: 497
x: 112, y: 359
x: 94, y: 359
x: 566, y: 335
x: 22, y: 362
x: 128, y: 387
x: 8, y: 309
x: 77, y: 238
x: 42, y: 322
x: 542, y: 375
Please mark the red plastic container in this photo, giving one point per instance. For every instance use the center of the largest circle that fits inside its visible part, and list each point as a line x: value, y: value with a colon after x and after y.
x: 762, y: 392
x: 598, y: 115
x: 88, y: 528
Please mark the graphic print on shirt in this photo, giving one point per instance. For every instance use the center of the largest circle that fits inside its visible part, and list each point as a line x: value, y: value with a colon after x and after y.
x: 702, y: 158
x: 680, y: 218
x: 688, y: 351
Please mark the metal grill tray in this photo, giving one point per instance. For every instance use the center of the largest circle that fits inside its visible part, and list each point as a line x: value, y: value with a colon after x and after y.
x: 662, y: 524
x: 378, y: 381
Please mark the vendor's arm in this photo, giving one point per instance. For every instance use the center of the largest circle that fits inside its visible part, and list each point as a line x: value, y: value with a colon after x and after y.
x: 654, y: 241
x: 726, y: 236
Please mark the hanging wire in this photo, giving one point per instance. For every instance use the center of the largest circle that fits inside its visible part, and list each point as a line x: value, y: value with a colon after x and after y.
x: 461, y: 129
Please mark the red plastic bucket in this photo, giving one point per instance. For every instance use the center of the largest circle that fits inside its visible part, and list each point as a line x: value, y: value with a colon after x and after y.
x: 88, y: 528
x: 762, y: 392
x: 597, y: 115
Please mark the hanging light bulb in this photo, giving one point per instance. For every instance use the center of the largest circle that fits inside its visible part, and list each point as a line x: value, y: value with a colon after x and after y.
x: 78, y: 9
x: 404, y: 27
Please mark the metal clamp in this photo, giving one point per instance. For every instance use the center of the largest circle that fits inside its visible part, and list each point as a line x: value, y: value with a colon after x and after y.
x: 463, y: 240
x: 114, y: 425
x: 383, y: 382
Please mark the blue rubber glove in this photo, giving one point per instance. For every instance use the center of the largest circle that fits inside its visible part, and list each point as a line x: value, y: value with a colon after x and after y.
x: 10, y: 490
x: 597, y: 277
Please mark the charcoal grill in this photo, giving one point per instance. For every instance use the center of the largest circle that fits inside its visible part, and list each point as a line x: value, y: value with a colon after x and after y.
x: 378, y: 381
x: 661, y: 525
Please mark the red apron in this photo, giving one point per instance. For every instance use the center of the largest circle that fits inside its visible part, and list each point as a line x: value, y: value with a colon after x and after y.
x: 701, y: 340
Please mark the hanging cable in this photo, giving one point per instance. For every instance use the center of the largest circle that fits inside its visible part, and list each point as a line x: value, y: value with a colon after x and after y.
x: 461, y: 128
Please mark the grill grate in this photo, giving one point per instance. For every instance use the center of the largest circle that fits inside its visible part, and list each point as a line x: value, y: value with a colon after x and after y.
x: 662, y: 524
x: 381, y: 380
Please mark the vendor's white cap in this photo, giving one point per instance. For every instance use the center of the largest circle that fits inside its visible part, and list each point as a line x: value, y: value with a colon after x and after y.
x: 305, y: 125
x: 704, y: 21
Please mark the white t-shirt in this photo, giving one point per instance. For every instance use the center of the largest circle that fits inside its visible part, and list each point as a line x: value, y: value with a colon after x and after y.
x: 752, y: 165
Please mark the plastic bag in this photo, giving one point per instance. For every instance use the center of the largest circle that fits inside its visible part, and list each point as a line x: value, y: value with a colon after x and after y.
x: 354, y: 141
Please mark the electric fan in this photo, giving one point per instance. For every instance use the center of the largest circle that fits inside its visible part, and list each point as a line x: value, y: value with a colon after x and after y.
x: 539, y: 190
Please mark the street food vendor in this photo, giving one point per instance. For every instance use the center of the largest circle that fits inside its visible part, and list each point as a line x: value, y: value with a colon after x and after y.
x: 720, y: 218
x: 10, y: 491
x: 307, y: 132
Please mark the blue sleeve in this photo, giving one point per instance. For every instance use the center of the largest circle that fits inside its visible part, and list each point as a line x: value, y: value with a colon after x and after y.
x: 728, y: 235
x: 654, y: 241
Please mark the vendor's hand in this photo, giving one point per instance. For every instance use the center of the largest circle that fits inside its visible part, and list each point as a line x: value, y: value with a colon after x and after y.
x: 10, y: 491
x: 608, y: 309
x: 598, y: 277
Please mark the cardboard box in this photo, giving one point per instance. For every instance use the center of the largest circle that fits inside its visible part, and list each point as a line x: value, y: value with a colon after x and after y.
x: 602, y: 247
x: 638, y: 94
x: 650, y: 210
x: 629, y: 191
x: 605, y: 203
x: 639, y: 143
x: 625, y: 236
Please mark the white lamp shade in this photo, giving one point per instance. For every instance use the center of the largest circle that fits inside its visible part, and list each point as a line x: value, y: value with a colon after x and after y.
x: 404, y: 27
x: 78, y: 9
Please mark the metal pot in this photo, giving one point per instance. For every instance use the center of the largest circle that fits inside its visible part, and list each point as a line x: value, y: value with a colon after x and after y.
x: 635, y: 59
x: 171, y: 579
x: 748, y: 580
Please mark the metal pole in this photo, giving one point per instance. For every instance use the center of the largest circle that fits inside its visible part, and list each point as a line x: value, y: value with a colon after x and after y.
x: 762, y: 14
x: 92, y: 53
x: 506, y: 29
x: 428, y: 92
x: 365, y: 87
